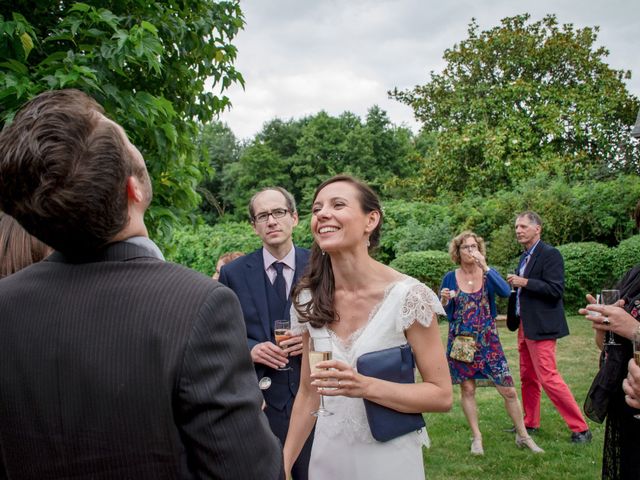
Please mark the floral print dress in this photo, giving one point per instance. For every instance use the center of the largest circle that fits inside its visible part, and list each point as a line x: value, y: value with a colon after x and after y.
x: 472, y: 316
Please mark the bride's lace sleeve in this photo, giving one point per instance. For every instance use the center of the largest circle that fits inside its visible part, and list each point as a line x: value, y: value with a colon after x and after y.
x: 419, y: 305
x: 298, y: 328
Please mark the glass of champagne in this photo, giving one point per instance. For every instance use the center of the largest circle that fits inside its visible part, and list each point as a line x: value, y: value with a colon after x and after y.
x: 610, y: 297
x: 320, y: 349
x: 636, y: 356
x: 281, y: 330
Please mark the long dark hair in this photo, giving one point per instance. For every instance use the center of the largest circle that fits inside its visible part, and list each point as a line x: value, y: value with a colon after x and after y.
x: 318, y: 279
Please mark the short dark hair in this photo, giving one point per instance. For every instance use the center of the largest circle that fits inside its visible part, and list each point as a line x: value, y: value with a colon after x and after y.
x: 291, y: 202
x: 532, y: 216
x: 63, y: 172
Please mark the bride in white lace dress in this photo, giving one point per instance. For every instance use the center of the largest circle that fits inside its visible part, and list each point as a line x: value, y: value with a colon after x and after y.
x: 364, y: 306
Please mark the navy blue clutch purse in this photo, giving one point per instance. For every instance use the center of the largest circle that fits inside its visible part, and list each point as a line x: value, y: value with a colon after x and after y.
x: 395, y: 365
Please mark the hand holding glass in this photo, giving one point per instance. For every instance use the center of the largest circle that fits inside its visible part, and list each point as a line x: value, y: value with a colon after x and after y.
x: 610, y: 297
x: 282, y: 334
x: 320, y: 349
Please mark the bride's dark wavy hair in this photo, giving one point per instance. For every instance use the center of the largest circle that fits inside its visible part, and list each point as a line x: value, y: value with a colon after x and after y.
x: 318, y: 278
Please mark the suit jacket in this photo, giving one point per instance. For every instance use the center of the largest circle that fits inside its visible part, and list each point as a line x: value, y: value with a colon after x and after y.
x: 246, y: 277
x: 127, y: 367
x: 541, y: 306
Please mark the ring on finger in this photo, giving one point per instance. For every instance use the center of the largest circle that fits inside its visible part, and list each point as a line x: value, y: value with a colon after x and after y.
x: 606, y: 321
x: 338, y: 383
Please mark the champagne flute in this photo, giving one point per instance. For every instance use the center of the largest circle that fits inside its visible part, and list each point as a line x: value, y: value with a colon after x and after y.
x: 610, y: 297
x: 320, y: 349
x: 509, y: 275
x: 281, y: 330
x: 636, y: 356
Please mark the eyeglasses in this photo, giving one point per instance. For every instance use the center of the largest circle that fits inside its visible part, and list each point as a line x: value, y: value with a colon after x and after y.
x: 275, y: 213
x: 469, y: 248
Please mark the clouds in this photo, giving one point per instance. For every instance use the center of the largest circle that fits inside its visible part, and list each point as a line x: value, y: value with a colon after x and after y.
x: 302, y: 56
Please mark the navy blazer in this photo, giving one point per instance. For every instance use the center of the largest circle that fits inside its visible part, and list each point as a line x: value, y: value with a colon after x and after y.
x: 246, y: 277
x: 541, y: 306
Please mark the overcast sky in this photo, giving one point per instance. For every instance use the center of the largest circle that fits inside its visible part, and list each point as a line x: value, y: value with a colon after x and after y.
x: 302, y: 56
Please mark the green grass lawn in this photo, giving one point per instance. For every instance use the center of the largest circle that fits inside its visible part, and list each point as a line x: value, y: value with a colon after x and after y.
x: 449, y: 457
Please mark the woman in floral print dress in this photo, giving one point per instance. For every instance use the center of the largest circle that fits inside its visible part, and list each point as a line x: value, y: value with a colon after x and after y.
x: 468, y: 295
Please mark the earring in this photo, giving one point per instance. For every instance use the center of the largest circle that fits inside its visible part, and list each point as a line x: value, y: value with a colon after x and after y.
x: 323, y: 252
x: 368, y: 243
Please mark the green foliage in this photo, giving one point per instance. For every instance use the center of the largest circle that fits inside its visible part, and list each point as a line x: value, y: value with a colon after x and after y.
x: 522, y: 98
x: 302, y: 236
x: 626, y: 255
x: 429, y: 267
x: 587, y: 269
x: 413, y: 226
x: 199, y: 247
x: 219, y: 148
x: 300, y: 154
x: 147, y: 63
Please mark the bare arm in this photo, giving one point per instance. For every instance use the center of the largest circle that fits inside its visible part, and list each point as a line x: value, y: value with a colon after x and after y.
x: 434, y: 394
x: 302, y: 422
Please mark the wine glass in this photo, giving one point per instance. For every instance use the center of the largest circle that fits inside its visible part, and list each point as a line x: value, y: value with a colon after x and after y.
x: 509, y: 276
x: 610, y: 297
x: 320, y: 349
x: 281, y: 330
x: 636, y: 357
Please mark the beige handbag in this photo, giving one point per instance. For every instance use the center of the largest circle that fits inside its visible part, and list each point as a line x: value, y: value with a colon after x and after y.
x: 463, y: 348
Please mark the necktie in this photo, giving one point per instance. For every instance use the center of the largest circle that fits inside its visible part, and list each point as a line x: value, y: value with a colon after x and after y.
x: 280, y: 283
x: 523, y: 267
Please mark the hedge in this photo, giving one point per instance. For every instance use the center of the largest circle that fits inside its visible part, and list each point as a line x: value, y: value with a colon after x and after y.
x: 587, y: 269
x: 429, y: 266
x: 626, y: 255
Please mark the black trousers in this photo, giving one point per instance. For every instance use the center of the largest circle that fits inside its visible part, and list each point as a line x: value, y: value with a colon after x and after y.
x: 279, y: 423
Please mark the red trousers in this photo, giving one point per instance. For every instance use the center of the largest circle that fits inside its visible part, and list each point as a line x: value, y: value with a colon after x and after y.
x: 538, y: 368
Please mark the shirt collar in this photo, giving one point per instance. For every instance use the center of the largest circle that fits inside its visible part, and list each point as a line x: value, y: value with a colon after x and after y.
x: 147, y: 244
x: 289, y: 259
x: 530, y: 251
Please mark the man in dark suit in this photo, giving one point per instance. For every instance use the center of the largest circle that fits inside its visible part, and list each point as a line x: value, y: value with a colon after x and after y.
x: 113, y: 363
x: 263, y: 280
x: 536, y: 307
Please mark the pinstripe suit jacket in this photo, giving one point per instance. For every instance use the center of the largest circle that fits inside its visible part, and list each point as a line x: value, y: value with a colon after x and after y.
x: 124, y: 366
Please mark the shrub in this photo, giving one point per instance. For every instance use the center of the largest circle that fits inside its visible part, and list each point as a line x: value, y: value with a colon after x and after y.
x: 587, y: 269
x: 626, y: 255
x: 199, y: 247
x: 429, y: 267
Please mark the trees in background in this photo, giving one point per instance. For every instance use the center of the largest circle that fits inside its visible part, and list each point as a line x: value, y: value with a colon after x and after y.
x: 519, y: 99
x: 148, y: 63
x: 299, y: 154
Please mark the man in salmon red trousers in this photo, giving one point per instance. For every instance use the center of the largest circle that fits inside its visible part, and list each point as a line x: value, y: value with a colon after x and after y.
x: 537, y: 311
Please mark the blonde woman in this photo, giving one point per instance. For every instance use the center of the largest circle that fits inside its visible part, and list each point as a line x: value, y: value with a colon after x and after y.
x: 468, y: 295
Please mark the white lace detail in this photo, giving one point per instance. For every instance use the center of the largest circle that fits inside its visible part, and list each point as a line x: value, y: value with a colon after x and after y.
x: 419, y: 305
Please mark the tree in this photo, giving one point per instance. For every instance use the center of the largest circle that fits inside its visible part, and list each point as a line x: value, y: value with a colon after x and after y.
x: 299, y: 154
x: 520, y: 98
x: 148, y: 63
x: 219, y: 148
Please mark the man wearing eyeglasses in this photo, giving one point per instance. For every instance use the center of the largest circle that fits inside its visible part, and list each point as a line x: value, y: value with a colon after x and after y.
x: 263, y: 281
